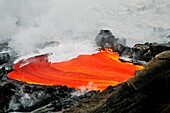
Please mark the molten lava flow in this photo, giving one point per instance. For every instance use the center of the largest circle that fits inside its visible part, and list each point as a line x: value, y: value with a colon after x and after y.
x: 102, y: 68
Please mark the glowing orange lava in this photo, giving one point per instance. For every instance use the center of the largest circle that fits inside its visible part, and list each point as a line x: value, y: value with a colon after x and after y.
x: 102, y: 68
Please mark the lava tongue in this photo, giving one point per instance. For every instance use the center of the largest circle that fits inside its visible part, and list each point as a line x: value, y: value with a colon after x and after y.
x: 102, y: 68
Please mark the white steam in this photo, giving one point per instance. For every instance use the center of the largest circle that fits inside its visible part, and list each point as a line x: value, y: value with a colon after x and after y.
x: 84, y: 89
x: 75, y: 23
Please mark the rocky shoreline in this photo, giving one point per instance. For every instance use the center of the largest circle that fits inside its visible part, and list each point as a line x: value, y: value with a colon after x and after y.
x: 147, y: 91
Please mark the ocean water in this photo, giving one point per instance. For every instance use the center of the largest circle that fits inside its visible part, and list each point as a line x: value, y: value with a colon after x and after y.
x: 73, y: 24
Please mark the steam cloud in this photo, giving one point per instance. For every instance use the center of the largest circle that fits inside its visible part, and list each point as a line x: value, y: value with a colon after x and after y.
x: 75, y: 24
x: 84, y: 89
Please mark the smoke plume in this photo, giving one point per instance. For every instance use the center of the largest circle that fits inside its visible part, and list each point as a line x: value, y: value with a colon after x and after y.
x: 74, y: 24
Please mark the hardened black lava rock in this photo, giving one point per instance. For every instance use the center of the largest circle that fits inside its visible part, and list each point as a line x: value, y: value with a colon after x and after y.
x: 105, y: 39
x: 7, y: 55
x: 147, y: 51
x: 4, y: 58
x: 28, y: 97
x: 6, y: 93
x: 64, y: 103
x: 4, y: 55
x: 144, y: 52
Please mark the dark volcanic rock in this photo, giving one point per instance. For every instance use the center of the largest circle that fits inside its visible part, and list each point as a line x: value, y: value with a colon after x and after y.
x: 144, y: 52
x: 4, y: 58
x: 30, y: 97
x: 7, y: 55
x: 147, y: 92
x: 4, y: 55
x: 6, y: 93
x: 105, y: 39
x: 149, y: 50
x: 64, y: 103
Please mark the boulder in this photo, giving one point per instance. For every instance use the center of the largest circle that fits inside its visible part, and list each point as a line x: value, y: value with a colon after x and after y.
x: 105, y: 39
x: 4, y: 58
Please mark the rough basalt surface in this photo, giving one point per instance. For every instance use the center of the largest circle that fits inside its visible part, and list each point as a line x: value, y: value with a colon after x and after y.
x: 144, y: 52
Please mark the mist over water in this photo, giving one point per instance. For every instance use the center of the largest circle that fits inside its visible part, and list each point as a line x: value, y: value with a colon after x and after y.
x: 74, y: 24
